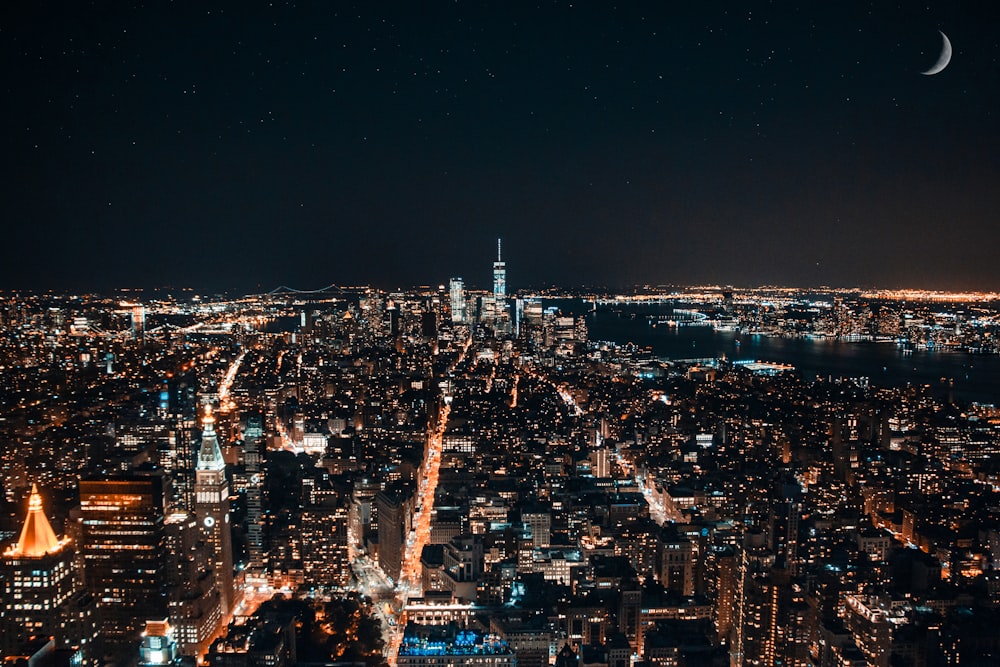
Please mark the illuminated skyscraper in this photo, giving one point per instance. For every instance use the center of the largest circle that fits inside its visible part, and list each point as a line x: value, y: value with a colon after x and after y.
x: 457, y: 293
x: 783, y: 525
x: 495, y: 306
x: 179, y: 406
x: 391, y: 320
x: 499, y: 284
x: 195, y: 599
x: 255, y: 483
x: 126, y: 562
x: 139, y: 323
x: 37, y: 579
x: 211, y: 490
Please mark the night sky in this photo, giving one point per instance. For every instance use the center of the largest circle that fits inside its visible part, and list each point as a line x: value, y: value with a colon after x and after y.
x: 241, y: 146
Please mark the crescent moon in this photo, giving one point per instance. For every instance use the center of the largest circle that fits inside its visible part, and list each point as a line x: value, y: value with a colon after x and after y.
x: 943, y: 59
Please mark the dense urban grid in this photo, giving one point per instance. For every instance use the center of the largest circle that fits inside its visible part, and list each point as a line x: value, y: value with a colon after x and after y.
x: 448, y: 476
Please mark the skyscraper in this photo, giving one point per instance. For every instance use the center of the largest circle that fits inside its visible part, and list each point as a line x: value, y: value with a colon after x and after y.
x: 393, y: 506
x: 499, y: 284
x: 391, y: 320
x: 211, y: 490
x: 255, y: 484
x: 195, y: 598
x: 783, y: 524
x: 456, y: 291
x: 37, y: 580
x: 495, y: 305
x: 181, y: 413
x: 139, y: 324
x: 123, y: 543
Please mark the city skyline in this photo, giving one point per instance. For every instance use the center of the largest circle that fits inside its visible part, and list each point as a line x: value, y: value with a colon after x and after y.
x: 270, y: 396
x: 229, y: 147
x: 396, y: 479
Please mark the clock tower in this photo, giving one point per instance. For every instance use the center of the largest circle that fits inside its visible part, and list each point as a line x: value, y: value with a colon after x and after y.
x: 211, y: 492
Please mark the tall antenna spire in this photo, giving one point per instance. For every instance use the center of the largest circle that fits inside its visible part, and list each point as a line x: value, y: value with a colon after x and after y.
x: 498, y: 251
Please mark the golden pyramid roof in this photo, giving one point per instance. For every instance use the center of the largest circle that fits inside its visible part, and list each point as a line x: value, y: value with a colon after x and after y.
x: 37, y: 537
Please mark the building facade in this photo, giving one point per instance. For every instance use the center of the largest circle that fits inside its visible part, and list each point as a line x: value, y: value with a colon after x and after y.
x: 37, y: 580
x: 123, y: 544
x: 211, y: 492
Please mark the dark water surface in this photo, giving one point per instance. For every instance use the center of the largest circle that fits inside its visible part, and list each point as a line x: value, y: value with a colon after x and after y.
x: 972, y: 377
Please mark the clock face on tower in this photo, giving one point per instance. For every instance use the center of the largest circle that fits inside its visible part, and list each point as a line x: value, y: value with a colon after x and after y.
x: 209, y: 521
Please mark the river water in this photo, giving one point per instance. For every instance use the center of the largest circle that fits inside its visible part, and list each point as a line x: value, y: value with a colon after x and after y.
x: 972, y: 377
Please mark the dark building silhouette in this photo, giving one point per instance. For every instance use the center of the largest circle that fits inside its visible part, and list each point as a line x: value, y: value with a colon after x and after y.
x: 123, y: 543
x: 392, y: 510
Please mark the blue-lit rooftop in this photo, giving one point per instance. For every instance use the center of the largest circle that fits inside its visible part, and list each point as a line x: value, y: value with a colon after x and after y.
x: 462, y: 642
